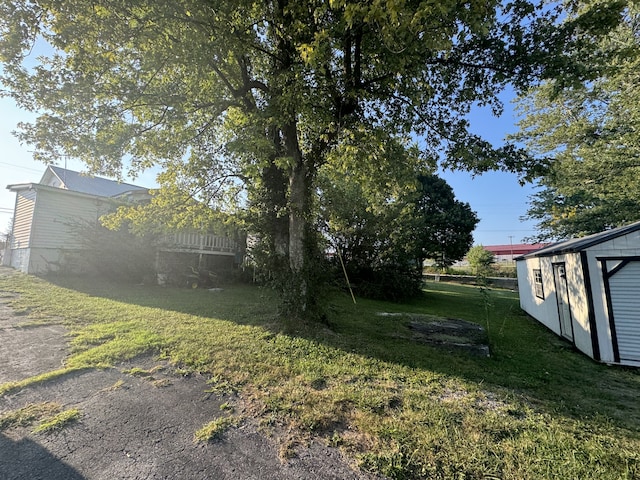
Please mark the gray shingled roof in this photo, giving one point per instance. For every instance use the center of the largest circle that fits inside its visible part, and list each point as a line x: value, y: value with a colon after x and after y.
x: 579, y: 244
x: 98, y: 186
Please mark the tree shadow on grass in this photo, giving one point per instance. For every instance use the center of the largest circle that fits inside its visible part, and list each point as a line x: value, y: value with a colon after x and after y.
x: 26, y: 459
x: 526, y: 358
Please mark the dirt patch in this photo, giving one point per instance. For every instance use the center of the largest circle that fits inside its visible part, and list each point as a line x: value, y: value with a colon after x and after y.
x: 449, y: 333
x: 135, y: 426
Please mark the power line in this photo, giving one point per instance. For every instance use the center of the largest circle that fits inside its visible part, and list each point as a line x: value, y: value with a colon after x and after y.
x: 509, y: 230
x: 20, y: 166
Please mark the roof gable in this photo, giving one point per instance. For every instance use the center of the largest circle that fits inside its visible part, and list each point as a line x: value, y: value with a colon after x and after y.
x: 68, y: 179
x: 582, y: 243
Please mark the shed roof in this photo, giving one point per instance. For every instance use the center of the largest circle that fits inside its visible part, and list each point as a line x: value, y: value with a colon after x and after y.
x: 98, y: 186
x: 578, y: 244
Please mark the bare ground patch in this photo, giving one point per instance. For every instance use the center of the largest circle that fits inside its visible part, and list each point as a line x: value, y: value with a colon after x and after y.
x: 134, y: 425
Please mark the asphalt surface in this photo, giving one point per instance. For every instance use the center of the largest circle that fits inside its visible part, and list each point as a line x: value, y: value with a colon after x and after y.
x: 133, y: 427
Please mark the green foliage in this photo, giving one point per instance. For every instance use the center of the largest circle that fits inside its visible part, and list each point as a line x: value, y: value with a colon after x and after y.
x: 117, y: 254
x: 242, y: 102
x: 444, y: 225
x: 371, y: 229
x: 587, y: 134
x: 480, y: 259
x: 384, y: 234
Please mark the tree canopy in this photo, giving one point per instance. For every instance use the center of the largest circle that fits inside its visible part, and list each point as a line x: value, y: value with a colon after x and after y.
x: 383, y: 235
x: 241, y: 102
x: 587, y: 134
x: 444, y: 230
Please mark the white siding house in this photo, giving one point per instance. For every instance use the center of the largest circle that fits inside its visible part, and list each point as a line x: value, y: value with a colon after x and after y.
x: 48, y: 216
x: 45, y: 225
x: 587, y: 290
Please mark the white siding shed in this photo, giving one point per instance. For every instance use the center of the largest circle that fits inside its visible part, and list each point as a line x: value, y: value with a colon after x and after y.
x: 587, y: 290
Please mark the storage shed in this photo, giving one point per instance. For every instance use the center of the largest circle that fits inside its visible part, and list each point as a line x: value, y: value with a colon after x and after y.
x: 587, y: 290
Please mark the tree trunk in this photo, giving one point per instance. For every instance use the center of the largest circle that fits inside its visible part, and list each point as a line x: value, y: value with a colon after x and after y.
x: 276, y: 191
x: 297, y: 199
x: 298, y: 217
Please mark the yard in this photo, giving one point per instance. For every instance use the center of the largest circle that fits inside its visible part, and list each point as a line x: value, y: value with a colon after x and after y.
x: 534, y: 409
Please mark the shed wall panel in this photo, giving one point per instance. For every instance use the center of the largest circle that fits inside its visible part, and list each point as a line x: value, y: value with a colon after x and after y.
x: 624, y: 246
x: 542, y: 309
x: 601, y: 314
x: 578, y: 302
x: 625, y: 302
x: 545, y: 310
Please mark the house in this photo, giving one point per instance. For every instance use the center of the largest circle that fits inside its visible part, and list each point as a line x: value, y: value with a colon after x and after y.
x: 45, y: 236
x: 587, y: 290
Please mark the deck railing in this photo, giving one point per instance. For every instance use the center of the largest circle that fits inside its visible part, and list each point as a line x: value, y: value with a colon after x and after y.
x: 198, y: 242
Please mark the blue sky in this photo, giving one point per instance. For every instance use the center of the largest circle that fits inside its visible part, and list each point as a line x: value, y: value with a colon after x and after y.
x: 496, y: 197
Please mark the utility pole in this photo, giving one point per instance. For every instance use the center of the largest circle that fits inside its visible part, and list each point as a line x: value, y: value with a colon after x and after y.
x: 511, y: 246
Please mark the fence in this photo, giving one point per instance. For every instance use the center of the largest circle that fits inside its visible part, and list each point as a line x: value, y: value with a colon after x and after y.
x: 498, y: 282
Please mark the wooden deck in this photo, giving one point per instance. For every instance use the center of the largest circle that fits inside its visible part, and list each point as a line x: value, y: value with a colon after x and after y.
x: 191, y: 242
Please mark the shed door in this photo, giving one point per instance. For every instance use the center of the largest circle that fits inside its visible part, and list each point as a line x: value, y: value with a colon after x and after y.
x: 624, y: 288
x: 562, y: 296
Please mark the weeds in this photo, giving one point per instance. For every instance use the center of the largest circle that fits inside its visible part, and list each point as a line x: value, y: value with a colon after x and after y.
x: 48, y: 415
x: 535, y: 409
x: 28, y: 415
x: 47, y: 376
x: 58, y: 422
x: 215, y: 429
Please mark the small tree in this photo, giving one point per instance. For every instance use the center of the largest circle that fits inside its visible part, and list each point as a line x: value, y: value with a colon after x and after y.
x: 480, y: 259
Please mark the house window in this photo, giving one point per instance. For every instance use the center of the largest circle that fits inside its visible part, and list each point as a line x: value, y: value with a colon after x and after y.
x: 537, y: 283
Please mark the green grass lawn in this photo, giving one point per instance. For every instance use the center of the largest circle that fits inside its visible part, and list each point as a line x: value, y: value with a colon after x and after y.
x: 535, y: 409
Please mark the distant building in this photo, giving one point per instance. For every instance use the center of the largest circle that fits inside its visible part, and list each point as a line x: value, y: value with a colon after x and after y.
x: 507, y: 253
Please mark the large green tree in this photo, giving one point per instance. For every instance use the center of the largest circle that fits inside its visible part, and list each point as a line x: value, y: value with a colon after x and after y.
x: 384, y: 235
x: 245, y: 100
x: 588, y: 136
x: 444, y: 227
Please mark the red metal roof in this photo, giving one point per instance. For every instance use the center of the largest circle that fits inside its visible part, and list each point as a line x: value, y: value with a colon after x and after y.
x: 515, y: 249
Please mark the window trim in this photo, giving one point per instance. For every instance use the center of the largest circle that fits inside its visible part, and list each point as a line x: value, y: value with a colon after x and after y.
x: 538, y: 285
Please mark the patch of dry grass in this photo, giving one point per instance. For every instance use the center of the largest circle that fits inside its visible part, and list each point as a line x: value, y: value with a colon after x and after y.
x: 534, y: 409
